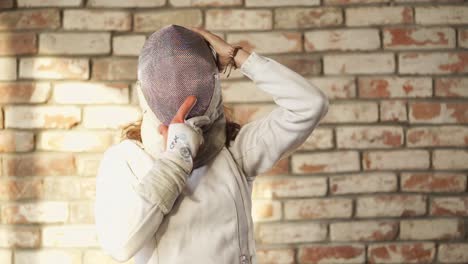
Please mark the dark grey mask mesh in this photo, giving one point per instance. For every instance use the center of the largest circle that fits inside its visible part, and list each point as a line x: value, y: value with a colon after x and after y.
x: 174, y: 63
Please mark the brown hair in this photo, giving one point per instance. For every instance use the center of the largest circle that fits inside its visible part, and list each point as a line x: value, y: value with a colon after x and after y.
x: 133, y: 130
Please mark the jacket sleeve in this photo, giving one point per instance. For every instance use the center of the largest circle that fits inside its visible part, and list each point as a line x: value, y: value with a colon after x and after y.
x: 129, y: 207
x: 300, y: 106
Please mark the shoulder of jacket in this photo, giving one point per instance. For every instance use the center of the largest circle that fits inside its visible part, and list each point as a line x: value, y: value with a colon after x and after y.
x: 122, y: 149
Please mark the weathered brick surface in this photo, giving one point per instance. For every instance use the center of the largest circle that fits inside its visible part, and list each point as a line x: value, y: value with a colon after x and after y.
x: 394, y: 87
x: 396, y: 159
x: 18, y: 43
x: 363, y: 183
x: 359, y: 16
x: 24, y: 92
x: 433, y: 63
x: 402, y: 253
x: 285, y: 41
x: 350, y: 39
x: 342, y: 253
x: 74, y: 43
x: 359, y: 63
x: 9, y: 66
x: 82, y: 19
x: 30, y: 19
x: 237, y: 19
x: 363, y: 231
x: 418, y: 38
x: 382, y: 179
x: 152, y: 21
x: 54, y: 68
x: 307, y: 17
x: 433, y: 182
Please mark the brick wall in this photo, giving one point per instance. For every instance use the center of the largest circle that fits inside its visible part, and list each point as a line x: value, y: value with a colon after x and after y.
x: 382, y: 180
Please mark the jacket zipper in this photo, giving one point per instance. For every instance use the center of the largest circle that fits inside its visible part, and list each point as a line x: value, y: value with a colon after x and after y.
x: 244, y: 257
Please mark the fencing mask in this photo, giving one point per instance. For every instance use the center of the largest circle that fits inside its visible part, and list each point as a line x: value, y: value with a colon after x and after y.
x: 176, y: 62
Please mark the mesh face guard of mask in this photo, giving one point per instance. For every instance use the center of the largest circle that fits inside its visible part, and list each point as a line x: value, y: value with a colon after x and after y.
x: 174, y: 63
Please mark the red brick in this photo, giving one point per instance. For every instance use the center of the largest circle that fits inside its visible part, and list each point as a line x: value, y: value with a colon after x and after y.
x: 377, y: 182
x: 128, y: 3
x: 258, y: 41
x: 449, y: 206
x: 150, y: 21
x: 114, y: 69
x: 453, y: 253
x: 390, y: 205
x: 24, y: 92
x: 433, y: 63
x: 30, y: 19
x: 393, y: 111
x: 275, y: 256
x: 436, y: 112
x: 325, y: 162
x: 451, y: 87
x: 20, y: 236
x: 339, y: 39
x: 54, y: 68
x: 304, y: 17
x: 16, y: 141
x: 430, y: 15
x: 356, y: 112
x: 365, y: 137
x: 401, y: 253
x: 266, y: 210
x: 281, y: 167
x: 437, y: 136
x: 433, y: 182
x: 275, y: 3
x: 6, y: 4
x: 74, y: 141
x: 341, y: 253
x: 321, y: 138
x: 18, y: 43
x: 289, y: 187
x: 318, y: 208
x: 431, y: 229
x: 69, y: 188
x: 350, y: 2
x: 12, y: 189
x: 39, y: 164
x: 238, y: 19
x: 8, y: 66
x: 74, y: 43
x: 44, y: 116
x: 450, y: 159
x: 298, y: 232
x: 395, y: 159
x: 300, y: 63
x: 418, y: 38
x: 394, y: 87
x: 335, y: 87
x: 364, y: 231
x: 359, y: 63
x: 42, y: 212
x: 82, y: 212
x: 82, y: 19
x: 463, y: 38
x: 359, y: 16
x: 43, y: 3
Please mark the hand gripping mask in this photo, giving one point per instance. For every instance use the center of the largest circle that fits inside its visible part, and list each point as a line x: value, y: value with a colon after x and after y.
x: 176, y: 62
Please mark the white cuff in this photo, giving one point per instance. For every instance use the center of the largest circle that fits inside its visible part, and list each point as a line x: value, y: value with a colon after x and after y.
x: 252, y: 64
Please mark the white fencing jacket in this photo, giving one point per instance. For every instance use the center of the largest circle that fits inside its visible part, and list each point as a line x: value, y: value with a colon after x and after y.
x: 210, y: 221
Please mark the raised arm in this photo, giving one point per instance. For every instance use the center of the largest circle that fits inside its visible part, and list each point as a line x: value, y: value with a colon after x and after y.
x: 134, y: 192
x: 301, y: 105
x: 132, y: 198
